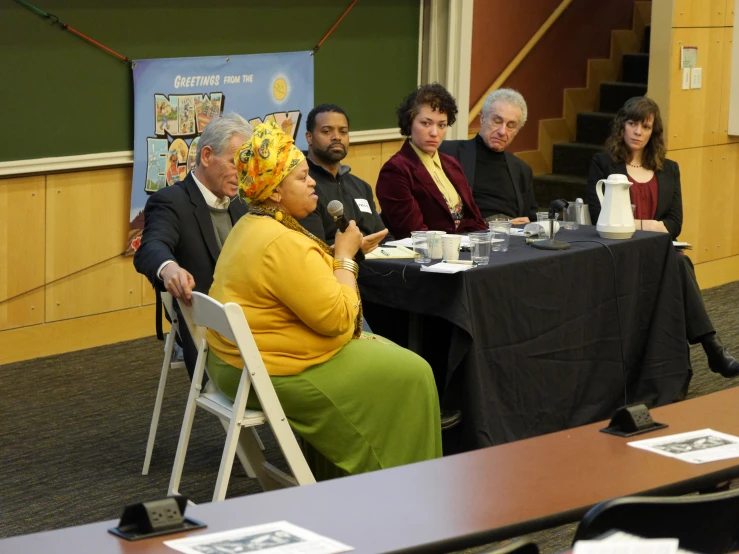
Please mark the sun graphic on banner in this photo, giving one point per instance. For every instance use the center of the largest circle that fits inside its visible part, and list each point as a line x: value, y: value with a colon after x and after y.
x: 279, y: 89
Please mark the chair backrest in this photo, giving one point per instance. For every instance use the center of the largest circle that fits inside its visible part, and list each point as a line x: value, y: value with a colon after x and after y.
x: 168, y: 302
x: 228, y: 320
x: 186, y: 319
x: 704, y: 523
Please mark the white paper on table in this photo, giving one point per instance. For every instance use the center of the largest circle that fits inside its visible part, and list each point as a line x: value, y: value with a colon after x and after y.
x: 407, y: 242
x: 626, y: 544
x: 443, y: 267
x: 695, y: 447
x: 279, y: 537
x: 388, y: 252
x: 679, y: 244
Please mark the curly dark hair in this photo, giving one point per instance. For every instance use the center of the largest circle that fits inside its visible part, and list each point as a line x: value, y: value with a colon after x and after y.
x: 433, y: 95
x: 638, y: 108
x: 310, y: 123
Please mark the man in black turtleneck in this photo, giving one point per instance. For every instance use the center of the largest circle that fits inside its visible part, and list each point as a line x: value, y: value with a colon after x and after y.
x: 502, y: 184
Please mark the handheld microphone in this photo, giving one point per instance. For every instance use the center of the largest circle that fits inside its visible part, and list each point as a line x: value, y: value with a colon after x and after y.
x: 336, y: 210
x: 557, y: 206
x: 551, y: 243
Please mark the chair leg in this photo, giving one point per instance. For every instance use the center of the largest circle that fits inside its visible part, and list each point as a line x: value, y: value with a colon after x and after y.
x: 256, y: 436
x: 243, y: 437
x: 168, y: 348
x: 243, y: 458
x: 249, y: 441
x: 179, y: 460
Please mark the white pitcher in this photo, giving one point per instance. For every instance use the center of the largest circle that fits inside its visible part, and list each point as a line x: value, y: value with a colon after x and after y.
x: 616, y: 220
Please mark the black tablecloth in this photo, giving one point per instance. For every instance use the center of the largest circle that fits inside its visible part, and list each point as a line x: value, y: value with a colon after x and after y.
x: 534, y: 341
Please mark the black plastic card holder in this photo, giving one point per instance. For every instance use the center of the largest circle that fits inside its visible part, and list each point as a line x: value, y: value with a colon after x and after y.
x: 155, y: 518
x: 632, y: 420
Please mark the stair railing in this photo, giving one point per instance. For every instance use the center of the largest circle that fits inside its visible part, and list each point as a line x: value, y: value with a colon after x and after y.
x: 475, y: 111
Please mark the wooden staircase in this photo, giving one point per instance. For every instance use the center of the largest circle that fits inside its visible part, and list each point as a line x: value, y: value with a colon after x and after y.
x: 567, y: 144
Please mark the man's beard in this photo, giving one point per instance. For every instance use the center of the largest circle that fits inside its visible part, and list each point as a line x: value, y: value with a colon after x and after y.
x: 330, y: 156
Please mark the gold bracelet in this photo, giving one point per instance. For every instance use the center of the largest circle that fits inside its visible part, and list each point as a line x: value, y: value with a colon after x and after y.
x: 347, y: 264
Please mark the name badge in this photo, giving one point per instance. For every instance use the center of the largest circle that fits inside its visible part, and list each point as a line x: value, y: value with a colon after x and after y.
x: 363, y: 205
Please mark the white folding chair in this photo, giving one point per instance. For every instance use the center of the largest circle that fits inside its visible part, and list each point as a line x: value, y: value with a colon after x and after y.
x: 229, y: 321
x: 168, y: 364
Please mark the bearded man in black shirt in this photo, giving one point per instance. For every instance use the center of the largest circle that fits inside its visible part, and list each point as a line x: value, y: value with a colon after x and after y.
x: 327, y: 133
x: 502, y: 184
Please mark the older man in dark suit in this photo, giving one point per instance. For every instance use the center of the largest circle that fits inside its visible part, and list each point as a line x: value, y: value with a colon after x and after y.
x: 186, y: 224
x: 502, y: 184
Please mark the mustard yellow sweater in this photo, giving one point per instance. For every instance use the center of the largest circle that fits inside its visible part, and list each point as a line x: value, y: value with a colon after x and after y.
x: 299, y: 314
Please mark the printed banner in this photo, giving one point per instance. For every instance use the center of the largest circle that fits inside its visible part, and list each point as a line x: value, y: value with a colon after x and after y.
x: 176, y: 98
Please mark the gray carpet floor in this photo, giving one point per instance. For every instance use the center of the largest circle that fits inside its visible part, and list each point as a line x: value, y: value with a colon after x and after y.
x: 74, y: 430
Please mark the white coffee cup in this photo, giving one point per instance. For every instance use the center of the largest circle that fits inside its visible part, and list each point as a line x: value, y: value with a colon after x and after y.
x: 450, y: 245
x: 434, y: 238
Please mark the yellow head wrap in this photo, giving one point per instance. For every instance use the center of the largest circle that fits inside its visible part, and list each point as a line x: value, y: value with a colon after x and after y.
x: 264, y: 161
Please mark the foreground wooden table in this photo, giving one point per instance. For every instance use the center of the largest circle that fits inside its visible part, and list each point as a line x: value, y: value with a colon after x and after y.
x: 459, y: 501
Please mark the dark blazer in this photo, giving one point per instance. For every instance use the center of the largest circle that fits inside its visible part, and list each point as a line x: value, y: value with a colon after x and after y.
x: 178, y: 226
x: 521, y: 173
x: 411, y: 200
x: 669, y: 195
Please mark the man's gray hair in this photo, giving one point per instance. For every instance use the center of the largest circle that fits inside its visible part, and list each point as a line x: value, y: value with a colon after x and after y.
x: 219, y: 131
x: 509, y: 96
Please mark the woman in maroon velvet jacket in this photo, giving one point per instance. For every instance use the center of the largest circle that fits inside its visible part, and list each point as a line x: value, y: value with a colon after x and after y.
x: 420, y: 189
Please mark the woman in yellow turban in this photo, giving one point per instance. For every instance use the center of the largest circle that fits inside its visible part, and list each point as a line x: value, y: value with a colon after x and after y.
x: 359, y: 405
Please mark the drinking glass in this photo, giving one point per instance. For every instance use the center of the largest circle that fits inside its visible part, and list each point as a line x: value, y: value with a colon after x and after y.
x: 480, y: 244
x: 573, y: 216
x: 421, y: 247
x: 499, y: 235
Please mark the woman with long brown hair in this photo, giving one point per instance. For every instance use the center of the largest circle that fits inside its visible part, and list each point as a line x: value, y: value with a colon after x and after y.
x: 636, y: 148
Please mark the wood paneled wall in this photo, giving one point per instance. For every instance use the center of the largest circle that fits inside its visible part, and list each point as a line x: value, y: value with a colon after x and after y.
x: 61, y: 239
x: 64, y: 284
x: 697, y: 129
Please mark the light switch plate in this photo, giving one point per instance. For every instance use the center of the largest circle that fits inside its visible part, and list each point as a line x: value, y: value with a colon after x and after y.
x: 696, y: 75
x: 686, y: 78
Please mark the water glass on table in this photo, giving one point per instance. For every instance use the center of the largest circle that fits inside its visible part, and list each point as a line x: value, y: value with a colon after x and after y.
x: 573, y: 215
x: 421, y: 247
x: 480, y: 246
x: 499, y: 235
x: 549, y: 225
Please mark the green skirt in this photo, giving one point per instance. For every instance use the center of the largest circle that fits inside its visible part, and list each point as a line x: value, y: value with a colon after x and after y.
x: 372, y: 406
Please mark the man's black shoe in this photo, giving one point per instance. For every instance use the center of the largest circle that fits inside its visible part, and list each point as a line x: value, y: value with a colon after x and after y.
x: 719, y: 359
x: 450, y: 418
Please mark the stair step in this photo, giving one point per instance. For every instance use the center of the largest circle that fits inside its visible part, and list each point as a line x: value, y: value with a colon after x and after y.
x: 635, y: 68
x: 552, y: 186
x: 594, y: 127
x: 646, y: 39
x: 573, y: 158
x: 615, y: 95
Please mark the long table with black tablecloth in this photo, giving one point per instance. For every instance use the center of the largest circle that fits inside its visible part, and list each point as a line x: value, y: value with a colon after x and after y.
x: 535, y: 341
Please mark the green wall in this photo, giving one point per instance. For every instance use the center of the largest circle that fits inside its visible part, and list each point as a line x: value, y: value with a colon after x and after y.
x: 62, y: 96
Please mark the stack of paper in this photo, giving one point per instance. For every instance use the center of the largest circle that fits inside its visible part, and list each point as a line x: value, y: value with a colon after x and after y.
x: 446, y: 267
x: 386, y: 252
